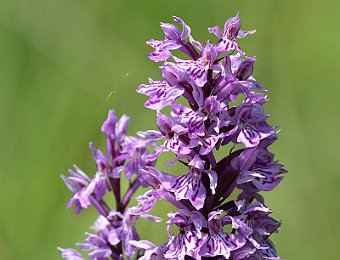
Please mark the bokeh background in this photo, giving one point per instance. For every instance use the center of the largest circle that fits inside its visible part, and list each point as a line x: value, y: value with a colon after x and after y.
x: 64, y: 63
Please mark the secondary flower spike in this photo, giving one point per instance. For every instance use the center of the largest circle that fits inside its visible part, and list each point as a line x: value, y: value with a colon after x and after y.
x: 213, y: 103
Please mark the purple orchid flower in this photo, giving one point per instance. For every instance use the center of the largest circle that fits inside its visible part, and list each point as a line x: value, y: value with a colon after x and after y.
x: 172, y: 133
x: 198, y: 69
x: 254, y: 222
x: 189, y: 186
x: 190, y: 238
x: 156, y: 180
x: 206, y: 143
x: 160, y: 94
x: 76, y: 180
x: 173, y: 40
x: 235, y: 79
x: 220, y: 242
x: 252, y: 125
x: 125, y: 230
x: 135, y: 152
x: 96, y: 245
x: 263, y: 174
x: 188, y: 118
x: 228, y: 37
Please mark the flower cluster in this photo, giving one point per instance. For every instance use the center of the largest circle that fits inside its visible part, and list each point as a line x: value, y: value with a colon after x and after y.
x: 224, y: 112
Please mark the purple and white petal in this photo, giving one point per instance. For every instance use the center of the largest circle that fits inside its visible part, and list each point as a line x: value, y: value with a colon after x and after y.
x: 242, y: 34
x: 171, y: 31
x: 198, y: 69
x: 226, y: 45
x: 189, y: 187
x: 70, y: 254
x: 197, y: 163
x: 160, y: 94
x: 232, y: 27
x: 207, y: 143
x: 213, y: 180
x: 189, y: 239
x: 177, y: 146
x: 216, y: 30
x: 109, y: 125
x: 185, y: 28
x: 162, y: 49
x: 222, y: 244
x: 150, y: 134
x: 189, y: 119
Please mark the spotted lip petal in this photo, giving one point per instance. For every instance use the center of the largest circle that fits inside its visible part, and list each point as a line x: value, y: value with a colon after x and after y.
x: 252, y: 124
x: 206, y: 144
x: 226, y: 45
x: 189, y: 187
x: 190, y: 119
x: 250, y: 136
x: 156, y: 179
x: 190, y: 238
x: 222, y: 244
x: 172, y: 132
x: 198, y: 69
x: 151, y: 251
x: 160, y: 94
x: 228, y: 37
x: 262, y: 173
x: 218, y: 241
x: 162, y: 49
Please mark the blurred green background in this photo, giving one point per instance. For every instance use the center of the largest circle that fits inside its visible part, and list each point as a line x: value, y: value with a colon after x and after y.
x: 64, y: 63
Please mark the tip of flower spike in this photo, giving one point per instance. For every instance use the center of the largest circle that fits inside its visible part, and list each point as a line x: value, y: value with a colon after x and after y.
x: 109, y: 124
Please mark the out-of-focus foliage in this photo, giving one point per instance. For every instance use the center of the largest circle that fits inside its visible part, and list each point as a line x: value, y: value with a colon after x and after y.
x: 65, y: 63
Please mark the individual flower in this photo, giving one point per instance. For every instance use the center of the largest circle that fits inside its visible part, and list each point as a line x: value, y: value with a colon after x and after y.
x: 231, y: 32
x: 198, y: 69
x: 189, y: 186
x: 125, y: 231
x: 97, y: 246
x: 156, y: 179
x: 189, y: 239
x: 251, y: 124
x: 206, y: 143
x: 76, y: 180
x: 160, y: 94
x: 171, y: 31
x: 162, y: 49
x: 115, y: 132
x: 253, y: 222
x: 260, y: 172
x: 206, y: 119
x: 235, y: 78
x: 173, y: 40
x: 172, y: 134
x: 134, y: 152
x: 190, y: 119
x: 218, y: 241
